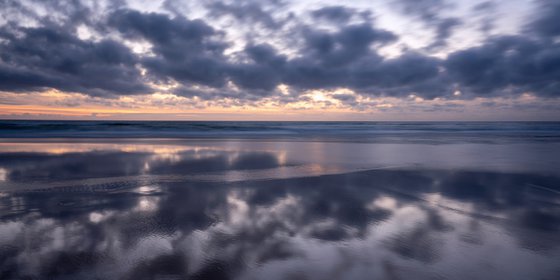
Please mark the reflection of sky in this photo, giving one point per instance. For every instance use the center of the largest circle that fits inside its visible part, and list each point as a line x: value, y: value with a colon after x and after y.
x: 378, y: 223
x: 242, y: 160
x: 3, y: 173
x: 393, y: 223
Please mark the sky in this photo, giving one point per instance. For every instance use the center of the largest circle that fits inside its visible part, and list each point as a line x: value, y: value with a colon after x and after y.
x: 280, y: 60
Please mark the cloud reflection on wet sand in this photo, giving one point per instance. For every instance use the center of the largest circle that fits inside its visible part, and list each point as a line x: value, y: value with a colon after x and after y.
x: 400, y: 223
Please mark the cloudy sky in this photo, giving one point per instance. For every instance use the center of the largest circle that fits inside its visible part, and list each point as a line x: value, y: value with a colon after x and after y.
x: 280, y: 60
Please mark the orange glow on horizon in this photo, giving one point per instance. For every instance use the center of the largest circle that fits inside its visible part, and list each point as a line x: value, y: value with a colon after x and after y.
x: 337, y: 104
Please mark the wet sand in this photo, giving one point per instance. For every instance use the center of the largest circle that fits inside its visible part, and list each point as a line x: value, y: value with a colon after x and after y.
x: 229, y: 209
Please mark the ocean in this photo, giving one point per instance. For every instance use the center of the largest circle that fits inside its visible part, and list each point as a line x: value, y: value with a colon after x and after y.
x: 279, y: 200
x: 345, y: 131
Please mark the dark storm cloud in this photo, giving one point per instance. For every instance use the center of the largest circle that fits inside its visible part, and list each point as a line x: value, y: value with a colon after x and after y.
x: 65, y: 13
x: 406, y: 70
x: 245, y: 11
x: 346, y: 59
x: 264, y: 72
x: 328, y: 58
x: 548, y: 23
x: 430, y: 12
x: 184, y: 49
x: 346, y: 54
x: 345, y: 97
x: 339, y: 14
x: 444, y: 30
x: 190, y: 52
x: 510, y: 63
x: 347, y: 45
x: 486, y: 12
x: 46, y: 57
x: 503, y: 65
x: 427, y: 10
x: 358, y: 67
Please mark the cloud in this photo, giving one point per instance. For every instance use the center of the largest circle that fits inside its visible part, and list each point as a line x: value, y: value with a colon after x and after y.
x: 338, y: 14
x: 117, y: 220
x: 487, y: 13
x: 430, y: 12
x: 190, y: 51
x: 548, y: 23
x: 427, y: 10
x: 246, y: 11
x: 47, y: 57
x: 510, y: 64
x: 324, y: 48
x: 264, y: 72
x: 444, y: 30
x: 183, y: 49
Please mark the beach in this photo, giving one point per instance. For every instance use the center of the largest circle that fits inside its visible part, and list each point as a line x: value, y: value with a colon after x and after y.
x: 250, y: 200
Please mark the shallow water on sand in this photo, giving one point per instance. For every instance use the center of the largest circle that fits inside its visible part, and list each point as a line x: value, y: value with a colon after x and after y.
x: 278, y: 209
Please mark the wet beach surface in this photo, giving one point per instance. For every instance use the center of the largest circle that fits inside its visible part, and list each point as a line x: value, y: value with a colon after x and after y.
x: 227, y: 209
